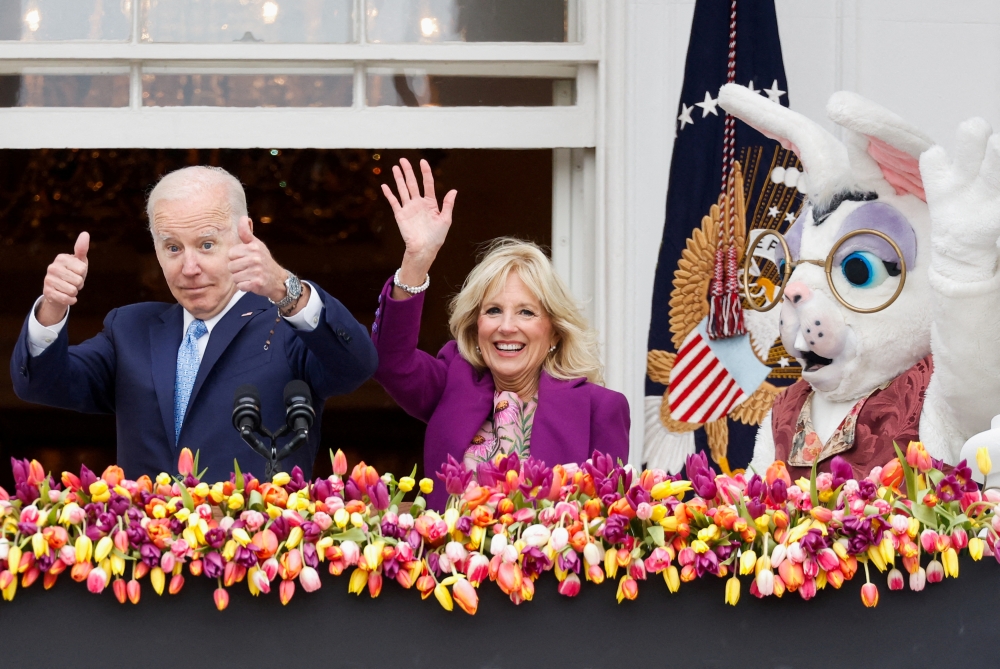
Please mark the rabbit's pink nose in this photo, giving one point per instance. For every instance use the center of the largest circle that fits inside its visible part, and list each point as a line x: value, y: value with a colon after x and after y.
x: 798, y: 292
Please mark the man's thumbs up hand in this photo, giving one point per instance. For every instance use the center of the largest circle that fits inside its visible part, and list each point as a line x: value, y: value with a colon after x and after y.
x: 252, y: 267
x: 63, y: 282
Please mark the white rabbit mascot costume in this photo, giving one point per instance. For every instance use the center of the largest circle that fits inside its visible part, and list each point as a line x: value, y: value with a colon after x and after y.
x: 893, y: 303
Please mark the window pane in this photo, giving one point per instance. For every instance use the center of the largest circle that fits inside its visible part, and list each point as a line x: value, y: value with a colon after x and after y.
x: 218, y: 21
x: 61, y: 90
x: 48, y: 20
x: 408, y: 89
x: 468, y: 20
x: 247, y: 90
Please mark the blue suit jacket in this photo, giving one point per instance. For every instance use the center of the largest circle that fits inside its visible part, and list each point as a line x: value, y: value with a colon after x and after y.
x: 129, y: 368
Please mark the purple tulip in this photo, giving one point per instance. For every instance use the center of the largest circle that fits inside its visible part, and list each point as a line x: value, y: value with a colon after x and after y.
x: 119, y: 504
x: 413, y: 538
x: 637, y: 495
x: 963, y: 474
x: 615, y: 528
x: 867, y: 490
x: 213, y: 565
x: 534, y: 562
x: 779, y: 491
x: 464, y: 524
x: 86, y: 477
x: 706, y: 562
x: 599, y: 465
x: 21, y: 469
x: 536, y: 478
x: 309, y: 555
x: 27, y: 529
x: 190, y: 481
x: 322, y: 489
x: 246, y: 557
x: 215, y: 537
x: 702, y: 476
x: 390, y: 528
x: 351, y: 491
x: 136, y: 535
x: 841, y: 471
x: 379, y: 495
x: 814, y: 541
x: 298, y: 481
x: 45, y: 562
x: 310, y: 531
x: 390, y: 567
x: 94, y: 533
x: 150, y: 554
x: 570, y: 561
x: 949, y: 489
x: 455, y: 476
x: 280, y: 528
x: 489, y: 474
x: 434, y: 563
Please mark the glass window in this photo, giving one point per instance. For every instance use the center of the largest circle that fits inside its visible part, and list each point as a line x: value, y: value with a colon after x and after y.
x: 52, y: 20
x: 247, y: 90
x: 274, y: 21
x: 64, y: 90
x: 469, y: 20
x: 416, y: 88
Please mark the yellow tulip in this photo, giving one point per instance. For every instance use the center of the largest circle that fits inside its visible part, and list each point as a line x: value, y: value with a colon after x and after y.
x: 241, y: 536
x: 99, y: 491
x: 117, y: 563
x: 235, y: 501
x: 84, y: 548
x: 254, y: 590
x: 426, y: 486
x: 709, y: 533
x: 611, y: 562
x: 14, y: 559
x: 840, y: 550
x: 190, y: 537
x: 762, y: 523
x: 672, y: 578
x: 68, y: 511
x: 821, y: 580
x: 163, y: 478
x: 39, y: 545
x: 201, y: 489
x: 733, y: 591
x: 357, y: 519
x: 799, y: 530
x: 229, y: 550
x: 157, y: 578
x: 450, y: 518
x: 182, y: 514
x: 406, y: 484
x: 875, y: 555
x: 358, y: 582
x: 763, y: 562
x: 373, y: 554
x: 477, y: 535
x: 443, y: 596
x: 699, y: 546
x: 341, y: 517
x: 216, y: 494
x: 887, y: 550
x: 659, y: 513
x: 983, y: 460
x: 273, y: 511
x: 747, y: 562
x: 949, y: 558
x: 669, y: 523
x: 281, y: 478
x: 103, y: 549
x: 294, y: 537
x: 976, y: 548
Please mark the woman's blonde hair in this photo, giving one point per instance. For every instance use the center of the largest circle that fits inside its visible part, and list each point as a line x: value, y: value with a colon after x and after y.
x: 576, y: 354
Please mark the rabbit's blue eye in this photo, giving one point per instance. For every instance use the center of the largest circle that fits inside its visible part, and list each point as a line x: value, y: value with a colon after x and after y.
x: 866, y: 270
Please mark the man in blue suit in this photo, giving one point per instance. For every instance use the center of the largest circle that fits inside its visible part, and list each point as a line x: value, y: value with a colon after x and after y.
x: 169, y: 371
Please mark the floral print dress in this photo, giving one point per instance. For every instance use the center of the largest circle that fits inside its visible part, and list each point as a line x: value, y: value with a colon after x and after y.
x: 507, y: 430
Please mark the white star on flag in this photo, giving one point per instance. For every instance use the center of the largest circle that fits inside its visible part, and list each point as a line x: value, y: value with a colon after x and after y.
x: 685, y: 117
x: 772, y: 212
x: 774, y: 93
x: 789, y: 218
x: 751, y: 88
x: 708, y: 106
x: 784, y: 362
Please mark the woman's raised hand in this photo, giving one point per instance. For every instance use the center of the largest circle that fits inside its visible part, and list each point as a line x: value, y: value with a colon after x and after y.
x: 423, y: 226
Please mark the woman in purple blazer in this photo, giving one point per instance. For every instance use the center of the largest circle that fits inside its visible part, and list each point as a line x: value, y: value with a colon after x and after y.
x: 522, y: 374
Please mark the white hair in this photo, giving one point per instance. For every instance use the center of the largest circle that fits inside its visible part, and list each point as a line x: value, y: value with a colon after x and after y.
x: 190, y: 182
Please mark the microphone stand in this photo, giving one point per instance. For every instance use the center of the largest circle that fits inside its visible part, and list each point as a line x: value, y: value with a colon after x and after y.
x: 271, y: 454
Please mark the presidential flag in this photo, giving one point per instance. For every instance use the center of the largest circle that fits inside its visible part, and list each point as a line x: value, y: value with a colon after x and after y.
x: 713, y: 367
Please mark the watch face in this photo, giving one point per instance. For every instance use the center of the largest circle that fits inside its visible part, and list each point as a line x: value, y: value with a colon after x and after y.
x: 293, y: 286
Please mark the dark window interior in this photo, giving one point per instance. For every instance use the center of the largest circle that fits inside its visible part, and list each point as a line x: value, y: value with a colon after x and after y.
x: 320, y: 212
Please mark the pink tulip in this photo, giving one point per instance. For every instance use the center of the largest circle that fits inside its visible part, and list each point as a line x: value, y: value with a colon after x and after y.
x: 67, y: 555
x: 167, y: 561
x: 374, y: 584
x: 176, y: 583
x: 260, y: 581
x: 97, y: 580
x: 560, y: 537
x: 959, y: 538
x: 270, y: 567
x: 658, y: 560
x: 900, y: 523
x: 477, y: 568
x: 895, y: 579
x: 643, y: 511
x: 918, y: 579
x: 178, y: 548
x: 808, y: 589
x: 29, y: 514
x: 869, y: 595
x: 827, y: 559
x: 935, y: 572
x: 465, y: 596
x: 286, y: 591
x: 134, y: 590
x: 352, y: 553
x: 456, y: 552
x: 120, y: 589
x: 928, y: 539
x: 686, y: 556
x: 570, y: 586
x: 323, y: 520
x: 309, y: 579
x: 810, y: 568
x: 637, y: 570
x: 795, y: 553
x: 221, y: 597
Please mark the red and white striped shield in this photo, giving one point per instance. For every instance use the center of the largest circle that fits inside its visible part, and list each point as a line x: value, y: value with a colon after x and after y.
x: 710, y: 378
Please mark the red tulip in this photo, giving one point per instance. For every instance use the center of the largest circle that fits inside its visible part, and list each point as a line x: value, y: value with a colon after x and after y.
x: 134, y: 590
x: 221, y: 597
x: 120, y: 590
x: 185, y: 462
x: 176, y: 583
x: 570, y: 586
x: 374, y: 583
x: 286, y: 591
x: 49, y: 579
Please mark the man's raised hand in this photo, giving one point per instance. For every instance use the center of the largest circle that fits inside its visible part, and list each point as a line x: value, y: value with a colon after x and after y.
x: 63, y: 282
x: 253, y: 268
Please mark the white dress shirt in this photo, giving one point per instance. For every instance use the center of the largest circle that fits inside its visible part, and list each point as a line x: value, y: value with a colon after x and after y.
x: 40, y: 336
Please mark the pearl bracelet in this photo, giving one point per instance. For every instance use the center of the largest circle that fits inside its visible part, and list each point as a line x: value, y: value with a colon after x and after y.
x: 412, y: 290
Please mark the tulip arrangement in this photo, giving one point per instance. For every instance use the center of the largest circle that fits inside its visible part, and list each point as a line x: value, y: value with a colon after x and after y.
x: 508, y: 522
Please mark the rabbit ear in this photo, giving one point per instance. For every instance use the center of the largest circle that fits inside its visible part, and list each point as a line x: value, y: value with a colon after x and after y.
x: 883, y: 137
x: 824, y: 157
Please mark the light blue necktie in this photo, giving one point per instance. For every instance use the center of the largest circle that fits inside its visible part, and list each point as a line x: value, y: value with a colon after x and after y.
x: 188, y: 362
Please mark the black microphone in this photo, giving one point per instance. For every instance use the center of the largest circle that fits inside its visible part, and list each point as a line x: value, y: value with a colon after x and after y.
x: 299, y: 413
x: 246, y: 408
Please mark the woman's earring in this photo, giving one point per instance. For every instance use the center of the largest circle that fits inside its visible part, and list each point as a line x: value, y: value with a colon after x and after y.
x: 478, y: 351
x: 552, y: 350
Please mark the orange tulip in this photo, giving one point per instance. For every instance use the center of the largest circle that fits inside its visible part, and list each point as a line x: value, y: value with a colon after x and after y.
x: 892, y: 474
x: 266, y: 542
x: 286, y: 591
x: 339, y: 463
x: 113, y: 475
x: 869, y: 593
x: 628, y: 588
x: 221, y: 598
x: 509, y: 577
x: 776, y: 471
x: 185, y: 462
x: 918, y: 458
x: 134, y: 590
x: 49, y: 579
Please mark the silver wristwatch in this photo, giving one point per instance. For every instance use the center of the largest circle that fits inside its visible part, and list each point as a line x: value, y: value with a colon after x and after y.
x: 293, y: 288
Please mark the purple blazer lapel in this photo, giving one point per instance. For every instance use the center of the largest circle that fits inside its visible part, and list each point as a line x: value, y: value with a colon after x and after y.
x: 561, y: 429
x: 472, y: 405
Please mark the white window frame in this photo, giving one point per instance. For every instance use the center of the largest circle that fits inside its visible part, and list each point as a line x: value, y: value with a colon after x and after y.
x: 592, y: 241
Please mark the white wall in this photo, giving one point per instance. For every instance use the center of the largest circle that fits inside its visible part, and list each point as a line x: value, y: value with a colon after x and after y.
x: 934, y: 63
